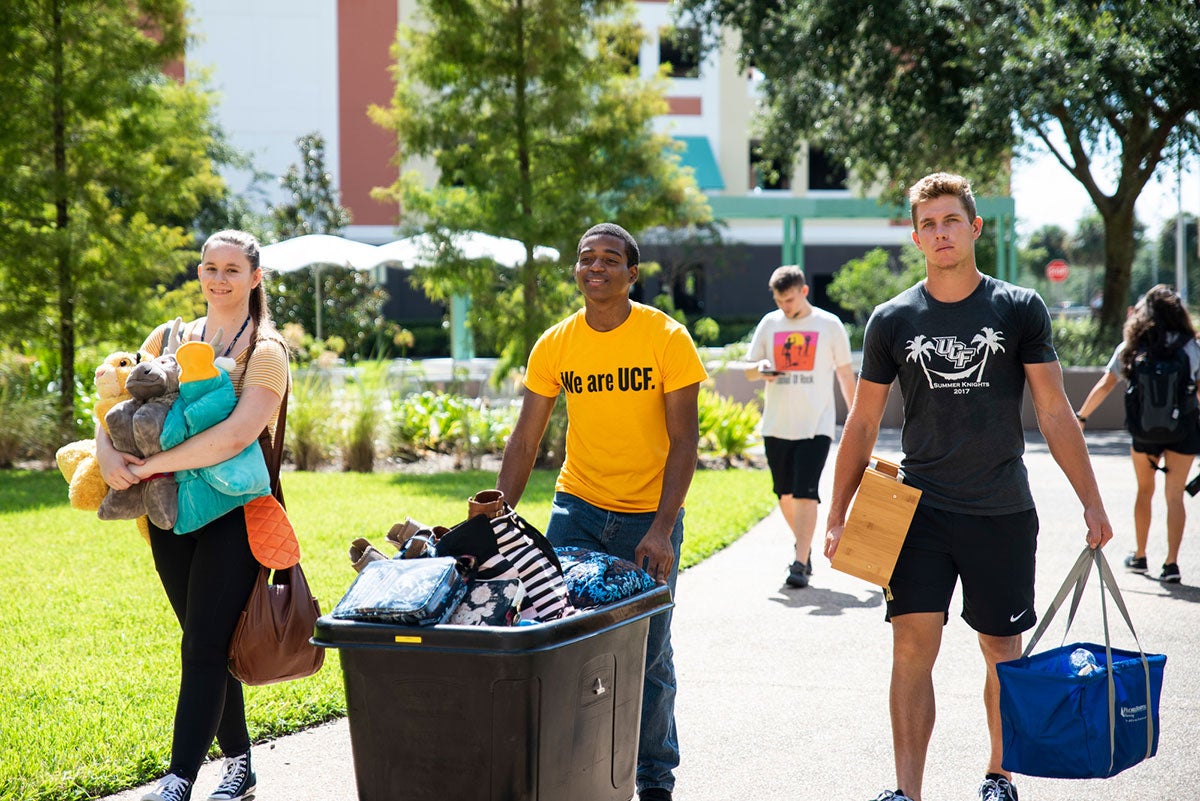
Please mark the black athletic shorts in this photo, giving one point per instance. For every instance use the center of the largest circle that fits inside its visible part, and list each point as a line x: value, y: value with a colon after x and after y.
x: 993, y: 555
x: 1189, y: 445
x: 796, y: 465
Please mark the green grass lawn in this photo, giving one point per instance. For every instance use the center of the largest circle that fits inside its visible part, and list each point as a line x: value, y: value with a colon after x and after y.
x: 90, y: 646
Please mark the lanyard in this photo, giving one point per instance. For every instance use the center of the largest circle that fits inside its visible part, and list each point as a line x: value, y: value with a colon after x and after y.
x: 232, y: 342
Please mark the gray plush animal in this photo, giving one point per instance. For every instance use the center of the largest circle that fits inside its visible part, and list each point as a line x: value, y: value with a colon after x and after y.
x: 135, y: 425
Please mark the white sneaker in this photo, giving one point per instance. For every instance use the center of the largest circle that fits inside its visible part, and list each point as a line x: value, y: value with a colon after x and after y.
x: 239, y: 781
x: 997, y: 788
x: 170, y: 788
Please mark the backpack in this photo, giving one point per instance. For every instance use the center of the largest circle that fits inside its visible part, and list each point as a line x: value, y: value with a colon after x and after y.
x: 1160, y: 400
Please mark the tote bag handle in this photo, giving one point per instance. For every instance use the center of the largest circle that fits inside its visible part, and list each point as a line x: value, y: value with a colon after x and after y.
x: 1077, y: 579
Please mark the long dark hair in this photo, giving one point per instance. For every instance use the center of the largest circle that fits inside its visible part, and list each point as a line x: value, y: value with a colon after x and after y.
x: 260, y: 312
x: 1158, y: 324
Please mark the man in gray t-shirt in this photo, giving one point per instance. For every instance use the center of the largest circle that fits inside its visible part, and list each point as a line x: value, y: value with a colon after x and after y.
x: 963, y: 346
x: 964, y: 363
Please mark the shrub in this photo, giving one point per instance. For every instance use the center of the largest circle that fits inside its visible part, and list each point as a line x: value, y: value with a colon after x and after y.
x: 363, y: 416
x: 1078, y: 343
x: 862, y: 284
x: 706, y: 331
x: 310, y: 430
x: 450, y: 423
x: 30, y: 427
x: 727, y: 428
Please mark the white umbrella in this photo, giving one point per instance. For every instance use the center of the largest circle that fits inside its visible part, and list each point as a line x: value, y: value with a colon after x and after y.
x: 315, y: 250
x: 305, y: 251
x: 423, y: 249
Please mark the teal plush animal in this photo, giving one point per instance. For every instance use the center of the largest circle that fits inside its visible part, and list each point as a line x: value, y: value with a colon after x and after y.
x: 206, y: 397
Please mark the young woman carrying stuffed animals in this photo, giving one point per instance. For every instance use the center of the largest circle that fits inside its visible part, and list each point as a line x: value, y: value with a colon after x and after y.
x: 208, y: 573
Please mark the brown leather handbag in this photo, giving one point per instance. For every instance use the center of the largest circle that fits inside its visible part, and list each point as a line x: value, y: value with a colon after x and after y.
x: 271, y: 640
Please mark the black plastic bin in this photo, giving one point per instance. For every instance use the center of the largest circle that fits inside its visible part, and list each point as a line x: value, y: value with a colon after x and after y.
x: 548, y: 712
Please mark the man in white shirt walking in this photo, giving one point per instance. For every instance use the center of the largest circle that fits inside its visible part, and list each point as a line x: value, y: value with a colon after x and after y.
x: 798, y: 350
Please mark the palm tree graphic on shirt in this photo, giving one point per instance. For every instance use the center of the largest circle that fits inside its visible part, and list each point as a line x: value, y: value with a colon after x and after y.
x: 919, y: 349
x: 963, y: 357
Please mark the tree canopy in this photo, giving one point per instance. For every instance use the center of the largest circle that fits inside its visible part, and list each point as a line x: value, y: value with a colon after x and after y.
x: 899, y: 89
x: 104, y: 159
x: 538, y: 124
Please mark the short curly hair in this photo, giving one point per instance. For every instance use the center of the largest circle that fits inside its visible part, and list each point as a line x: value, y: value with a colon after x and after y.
x: 632, y: 255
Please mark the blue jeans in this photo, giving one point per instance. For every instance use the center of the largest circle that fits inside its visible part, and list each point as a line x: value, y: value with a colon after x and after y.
x: 574, y: 521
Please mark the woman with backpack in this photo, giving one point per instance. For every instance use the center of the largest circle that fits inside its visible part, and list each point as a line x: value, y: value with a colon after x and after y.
x: 1159, y: 359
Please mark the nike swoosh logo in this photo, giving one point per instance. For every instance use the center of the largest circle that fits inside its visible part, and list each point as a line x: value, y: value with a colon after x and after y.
x: 1015, y: 618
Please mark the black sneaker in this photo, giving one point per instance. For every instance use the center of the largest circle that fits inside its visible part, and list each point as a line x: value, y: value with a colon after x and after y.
x: 239, y: 781
x: 170, y: 788
x: 1136, y: 564
x: 1170, y: 574
x: 655, y: 794
x: 997, y: 788
x: 891, y: 795
x: 797, y: 575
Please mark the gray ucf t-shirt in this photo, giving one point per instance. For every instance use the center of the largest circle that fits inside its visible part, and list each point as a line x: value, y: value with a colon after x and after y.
x: 962, y: 376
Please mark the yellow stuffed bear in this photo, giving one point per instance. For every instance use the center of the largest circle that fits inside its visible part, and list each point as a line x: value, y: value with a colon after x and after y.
x: 77, y: 460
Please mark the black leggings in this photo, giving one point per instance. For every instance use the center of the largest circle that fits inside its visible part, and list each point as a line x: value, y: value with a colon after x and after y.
x: 208, y: 575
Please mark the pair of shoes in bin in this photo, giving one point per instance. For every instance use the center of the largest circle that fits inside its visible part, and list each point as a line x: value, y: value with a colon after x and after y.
x: 362, y: 552
x: 411, y: 537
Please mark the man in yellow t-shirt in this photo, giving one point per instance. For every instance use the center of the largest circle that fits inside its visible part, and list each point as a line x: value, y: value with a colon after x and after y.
x: 631, y: 375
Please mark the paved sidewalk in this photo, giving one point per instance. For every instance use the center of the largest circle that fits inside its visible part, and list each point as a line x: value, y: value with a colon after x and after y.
x: 783, y: 692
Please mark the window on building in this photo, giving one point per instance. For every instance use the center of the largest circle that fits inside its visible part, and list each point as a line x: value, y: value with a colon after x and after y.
x: 767, y: 173
x: 680, y: 47
x: 823, y: 172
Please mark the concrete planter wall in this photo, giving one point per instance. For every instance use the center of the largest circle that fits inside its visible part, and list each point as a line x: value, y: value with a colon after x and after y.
x: 1078, y: 381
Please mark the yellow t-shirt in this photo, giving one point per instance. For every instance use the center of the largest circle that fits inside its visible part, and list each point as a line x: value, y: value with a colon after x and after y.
x: 615, y: 381
x: 267, y: 367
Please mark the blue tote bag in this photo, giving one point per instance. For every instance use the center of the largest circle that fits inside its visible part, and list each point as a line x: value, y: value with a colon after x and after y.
x: 1059, y: 724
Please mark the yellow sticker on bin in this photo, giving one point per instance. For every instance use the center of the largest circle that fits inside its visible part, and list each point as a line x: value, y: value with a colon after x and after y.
x: 408, y: 639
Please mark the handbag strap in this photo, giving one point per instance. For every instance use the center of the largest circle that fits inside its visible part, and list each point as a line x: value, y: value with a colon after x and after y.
x: 1076, y: 579
x: 272, y: 448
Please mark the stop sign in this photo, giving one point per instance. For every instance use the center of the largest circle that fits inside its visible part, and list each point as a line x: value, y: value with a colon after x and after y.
x: 1057, y: 271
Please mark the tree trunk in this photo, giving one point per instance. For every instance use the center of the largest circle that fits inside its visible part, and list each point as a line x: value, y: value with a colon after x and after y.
x: 1118, y: 265
x: 529, y: 325
x: 62, y: 221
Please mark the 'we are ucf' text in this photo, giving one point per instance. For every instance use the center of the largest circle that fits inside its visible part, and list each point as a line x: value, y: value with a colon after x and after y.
x: 627, y: 379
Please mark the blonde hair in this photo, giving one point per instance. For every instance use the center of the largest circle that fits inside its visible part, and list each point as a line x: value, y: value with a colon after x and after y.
x: 941, y: 184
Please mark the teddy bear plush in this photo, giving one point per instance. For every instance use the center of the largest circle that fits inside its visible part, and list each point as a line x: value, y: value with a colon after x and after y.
x: 135, y: 426
x: 77, y: 460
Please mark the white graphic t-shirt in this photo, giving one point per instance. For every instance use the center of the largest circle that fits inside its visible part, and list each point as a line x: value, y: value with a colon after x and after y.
x: 800, y: 403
